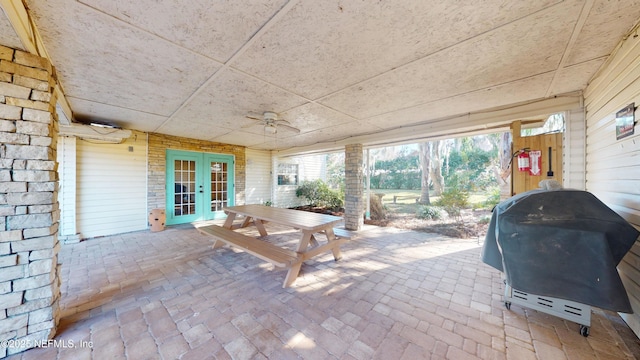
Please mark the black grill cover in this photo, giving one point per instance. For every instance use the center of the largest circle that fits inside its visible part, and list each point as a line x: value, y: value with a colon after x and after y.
x: 561, y: 243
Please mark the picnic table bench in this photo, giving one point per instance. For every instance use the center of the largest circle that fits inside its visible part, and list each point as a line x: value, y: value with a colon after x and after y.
x: 264, y: 250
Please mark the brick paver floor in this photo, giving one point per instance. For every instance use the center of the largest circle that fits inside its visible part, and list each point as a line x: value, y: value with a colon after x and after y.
x: 396, y: 294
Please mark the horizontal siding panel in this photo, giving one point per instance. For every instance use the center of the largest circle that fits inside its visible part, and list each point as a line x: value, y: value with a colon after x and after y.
x: 614, y: 75
x: 628, y: 273
x: 628, y: 173
x: 625, y: 55
x: 631, y: 215
x: 110, y: 209
x: 613, y: 166
x: 287, y: 197
x: 575, y: 175
x: 623, y: 163
x: 108, y: 173
x: 594, y: 136
x: 575, y: 161
x: 258, y: 180
x: 106, y: 222
x: 621, y: 186
x: 124, y: 186
x: 576, y: 140
x: 112, y: 188
x: 310, y: 167
x: 627, y: 96
x: 628, y: 269
x: 608, y: 150
x: 573, y: 156
x: 612, y: 198
x: 633, y: 259
x: 606, y: 133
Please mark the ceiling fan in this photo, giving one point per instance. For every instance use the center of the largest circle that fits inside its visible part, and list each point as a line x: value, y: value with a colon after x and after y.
x: 271, y: 123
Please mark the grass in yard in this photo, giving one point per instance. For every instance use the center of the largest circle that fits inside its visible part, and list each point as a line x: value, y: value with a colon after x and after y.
x: 406, y: 200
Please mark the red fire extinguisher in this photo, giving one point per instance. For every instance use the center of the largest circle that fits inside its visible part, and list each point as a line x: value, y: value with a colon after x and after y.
x: 524, y: 161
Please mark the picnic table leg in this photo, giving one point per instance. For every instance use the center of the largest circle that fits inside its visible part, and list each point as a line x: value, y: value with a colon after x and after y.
x: 331, y: 237
x: 313, y: 241
x: 229, y: 222
x: 245, y: 223
x: 293, y: 272
x: 260, y: 225
x: 217, y: 243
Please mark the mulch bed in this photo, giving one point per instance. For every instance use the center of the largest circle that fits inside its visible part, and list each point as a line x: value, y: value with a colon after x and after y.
x: 468, y: 227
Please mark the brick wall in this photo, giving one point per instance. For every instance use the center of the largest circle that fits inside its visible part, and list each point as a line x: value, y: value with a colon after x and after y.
x: 354, y: 187
x: 29, y: 271
x: 158, y: 145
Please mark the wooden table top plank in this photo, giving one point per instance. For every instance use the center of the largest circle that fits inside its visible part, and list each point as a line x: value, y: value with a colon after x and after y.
x: 295, y: 218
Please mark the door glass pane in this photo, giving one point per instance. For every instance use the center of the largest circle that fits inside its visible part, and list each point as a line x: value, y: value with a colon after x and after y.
x: 218, y: 186
x: 185, y: 187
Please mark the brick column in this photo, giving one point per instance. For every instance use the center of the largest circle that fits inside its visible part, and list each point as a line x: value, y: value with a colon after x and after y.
x: 29, y: 272
x: 354, y: 190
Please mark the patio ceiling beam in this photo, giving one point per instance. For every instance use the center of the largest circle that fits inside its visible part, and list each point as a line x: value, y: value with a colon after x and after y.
x: 489, y: 121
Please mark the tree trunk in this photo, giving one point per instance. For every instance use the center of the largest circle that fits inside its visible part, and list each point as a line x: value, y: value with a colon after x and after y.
x: 436, y: 167
x: 425, y: 160
x: 504, y: 174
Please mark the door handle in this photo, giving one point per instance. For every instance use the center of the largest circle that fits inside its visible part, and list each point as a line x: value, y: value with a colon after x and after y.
x: 201, y: 191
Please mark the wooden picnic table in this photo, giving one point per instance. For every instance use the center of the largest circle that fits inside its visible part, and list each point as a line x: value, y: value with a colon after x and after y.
x: 308, y: 223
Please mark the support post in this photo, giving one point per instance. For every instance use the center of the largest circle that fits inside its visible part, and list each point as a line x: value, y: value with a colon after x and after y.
x: 29, y: 212
x: 354, y: 189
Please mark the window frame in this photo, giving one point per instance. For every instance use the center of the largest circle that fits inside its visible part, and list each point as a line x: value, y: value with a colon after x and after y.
x: 286, y: 171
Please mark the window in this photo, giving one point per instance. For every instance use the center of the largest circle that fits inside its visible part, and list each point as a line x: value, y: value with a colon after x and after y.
x: 287, y: 174
x: 553, y: 124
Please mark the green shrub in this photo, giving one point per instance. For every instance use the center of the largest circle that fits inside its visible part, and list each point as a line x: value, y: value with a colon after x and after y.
x: 429, y: 212
x: 493, y: 199
x: 484, y: 220
x: 453, y: 197
x: 320, y: 194
x: 453, y: 200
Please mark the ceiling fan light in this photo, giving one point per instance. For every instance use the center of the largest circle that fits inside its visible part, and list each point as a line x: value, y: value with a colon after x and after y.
x: 270, y: 129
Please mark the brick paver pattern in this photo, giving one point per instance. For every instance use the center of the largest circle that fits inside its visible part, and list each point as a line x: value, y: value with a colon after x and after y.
x: 396, y: 294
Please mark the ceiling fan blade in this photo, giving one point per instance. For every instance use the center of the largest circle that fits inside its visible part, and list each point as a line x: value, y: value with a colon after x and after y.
x: 253, y: 117
x: 283, y: 121
x: 290, y: 128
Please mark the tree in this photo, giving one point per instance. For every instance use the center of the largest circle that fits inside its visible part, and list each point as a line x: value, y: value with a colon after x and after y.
x: 425, y: 165
x: 437, y: 150
x: 504, y: 175
x: 469, y: 166
x: 402, y: 172
x: 502, y: 167
x: 335, y: 170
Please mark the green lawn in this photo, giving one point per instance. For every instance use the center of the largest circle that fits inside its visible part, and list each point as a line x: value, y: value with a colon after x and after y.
x: 408, y: 197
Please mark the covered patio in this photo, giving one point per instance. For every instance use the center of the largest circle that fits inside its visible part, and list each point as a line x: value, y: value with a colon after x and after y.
x: 111, y: 109
x: 396, y: 294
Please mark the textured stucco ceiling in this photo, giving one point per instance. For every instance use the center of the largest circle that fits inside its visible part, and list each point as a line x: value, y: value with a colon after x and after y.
x: 337, y: 70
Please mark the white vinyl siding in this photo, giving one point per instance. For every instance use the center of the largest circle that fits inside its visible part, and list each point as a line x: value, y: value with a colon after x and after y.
x: 310, y: 167
x: 573, y: 152
x: 258, y: 183
x: 111, y: 187
x: 612, y: 166
x: 67, y: 187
